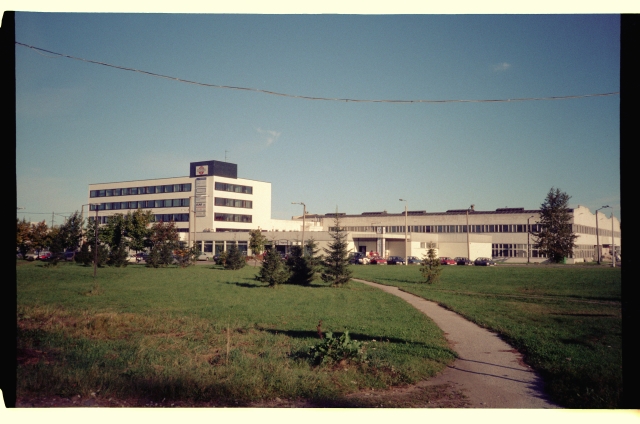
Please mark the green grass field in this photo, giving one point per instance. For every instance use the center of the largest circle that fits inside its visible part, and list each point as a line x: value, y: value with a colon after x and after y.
x: 565, y: 320
x: 208, y: 334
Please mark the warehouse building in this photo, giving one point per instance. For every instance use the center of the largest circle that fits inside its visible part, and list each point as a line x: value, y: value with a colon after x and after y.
x: 214, y: 208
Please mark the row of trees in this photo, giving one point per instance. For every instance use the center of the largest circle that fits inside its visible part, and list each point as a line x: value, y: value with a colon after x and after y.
x: 133, y: 231
x: 304, y: 264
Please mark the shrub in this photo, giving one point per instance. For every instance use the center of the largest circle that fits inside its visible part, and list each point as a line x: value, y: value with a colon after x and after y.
x: 273, y: 270
x: 118, y: 257
x: 332, y: 349
x: 235, y: 258
x: 431, y: 267
x: 84, y: 256
x: 301, y: 269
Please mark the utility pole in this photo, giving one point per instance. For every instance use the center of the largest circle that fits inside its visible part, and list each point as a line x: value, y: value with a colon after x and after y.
x: 613, y: 243
x: 95, y: 254
x: 529, y: 238
x: 406, y: 249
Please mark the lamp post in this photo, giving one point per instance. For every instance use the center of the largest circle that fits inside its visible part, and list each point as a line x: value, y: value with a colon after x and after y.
x: 470, y: 208
x: 598, y: 234
x: 529, y: 238
x: 613, y: 244
x: 304, y: 214
x: 95, y: 254
x: 406, y: 249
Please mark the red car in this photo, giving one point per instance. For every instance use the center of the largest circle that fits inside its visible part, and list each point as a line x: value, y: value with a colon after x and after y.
x: 445, y: 260
x: 44, y: 255
x: 377, y: 260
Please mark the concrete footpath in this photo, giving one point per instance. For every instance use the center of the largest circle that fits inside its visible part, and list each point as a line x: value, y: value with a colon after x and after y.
x: 488, y: 371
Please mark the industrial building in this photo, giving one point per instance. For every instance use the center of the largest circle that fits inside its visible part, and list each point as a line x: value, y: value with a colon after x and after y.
x: 214, y: 208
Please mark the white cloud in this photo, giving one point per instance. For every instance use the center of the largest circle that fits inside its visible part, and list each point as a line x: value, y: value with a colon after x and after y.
x: 501, y: 66
x: 271, y: 136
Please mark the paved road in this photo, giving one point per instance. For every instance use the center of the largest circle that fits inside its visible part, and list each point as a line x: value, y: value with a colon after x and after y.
x: 489, y: 371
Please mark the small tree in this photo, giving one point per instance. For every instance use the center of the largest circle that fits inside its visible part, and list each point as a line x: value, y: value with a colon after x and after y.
x: 84, y: 256
x: 235, y: 258
x: 164, y: 239
x: 431, y: 267
x: 556, y: 238
x: 273, y: 271
x: 23, y: 238
x: 301, y: 269
x: 336, y: 263
x: 118, y: 255
x: 257, y: 240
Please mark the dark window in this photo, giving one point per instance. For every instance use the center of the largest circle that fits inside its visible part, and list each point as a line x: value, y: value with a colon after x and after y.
x: 94, y: 193
x: 151, y: 189
x: 177, y: 202
x: 158, y: 203
x: 100, y: 193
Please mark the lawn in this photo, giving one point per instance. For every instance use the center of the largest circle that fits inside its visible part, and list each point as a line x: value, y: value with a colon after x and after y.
x: 208, y: 334
x: 565, y: 320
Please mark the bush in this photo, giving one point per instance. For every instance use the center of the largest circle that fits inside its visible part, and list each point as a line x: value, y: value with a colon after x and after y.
x: 118, y: 257
x: 273, y: 270
x: 332, y: 350
x: 301, y: 267
x: 431, y: 267
x: 84, y: 256
x: 235, y: 258
x: 154, y: 260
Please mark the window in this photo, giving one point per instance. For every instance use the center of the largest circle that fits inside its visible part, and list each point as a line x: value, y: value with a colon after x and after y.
x: 232, y: 217
x: 233, y: 203
x: 177, y: 202
x: 208, y: 247
x: 101, y: 193
x: 168, y: 189
x: 186, y: 187
x: 93, y: 193
x: 234, y: 188
x: 158, y: 203
x: 151, y: 189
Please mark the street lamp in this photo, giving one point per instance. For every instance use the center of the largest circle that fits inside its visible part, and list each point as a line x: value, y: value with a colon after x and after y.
x: 470, y: 208
x: 529, y: 238
x: 613, y: 244
x: 598, y: 234
x: 304, y: 214
x: 406, y: 250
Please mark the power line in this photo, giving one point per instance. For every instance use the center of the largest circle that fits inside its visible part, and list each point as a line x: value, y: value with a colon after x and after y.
x: 335, y: 99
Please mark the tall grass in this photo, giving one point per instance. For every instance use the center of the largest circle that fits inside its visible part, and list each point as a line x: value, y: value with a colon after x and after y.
x: 207, y: 334
x: 565, y: 320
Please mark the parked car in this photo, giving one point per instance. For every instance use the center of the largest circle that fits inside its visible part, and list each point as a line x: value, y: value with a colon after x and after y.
x: 484, y: 262
x: 445, y: 260
x: 411, y: 260
x: 44, y: 255
x: 355, y: 257
x: 70, y: 255
x: 31, y: 256
x: 52, y: 256
x: 377, y: 260
x: 395, y: 260
x: 462, y: 261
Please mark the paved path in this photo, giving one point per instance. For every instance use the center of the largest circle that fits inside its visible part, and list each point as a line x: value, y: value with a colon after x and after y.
x: 489, y: 371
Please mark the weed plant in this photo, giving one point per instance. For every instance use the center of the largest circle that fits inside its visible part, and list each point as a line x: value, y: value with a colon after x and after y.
x: 566, y: 321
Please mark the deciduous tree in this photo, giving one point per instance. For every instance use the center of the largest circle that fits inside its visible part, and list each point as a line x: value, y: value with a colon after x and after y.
x: 257, y: 240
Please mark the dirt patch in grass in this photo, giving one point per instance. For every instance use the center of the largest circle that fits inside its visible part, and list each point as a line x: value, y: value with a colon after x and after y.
x: 421, y: 395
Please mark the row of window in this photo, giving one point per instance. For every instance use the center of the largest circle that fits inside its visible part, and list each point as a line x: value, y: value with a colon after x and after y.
x: 233, y: 203
x: 222, y: 246
x: 165, y: 217
x: 584, y: 229
x: 231, y: 217
x: 234, y: 188
x: 506, y: 228
x: 142, y: 204
x: 506, y: 250
x: 170, y: 188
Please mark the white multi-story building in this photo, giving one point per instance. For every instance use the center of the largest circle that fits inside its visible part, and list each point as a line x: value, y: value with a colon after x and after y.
x: 214, y: 208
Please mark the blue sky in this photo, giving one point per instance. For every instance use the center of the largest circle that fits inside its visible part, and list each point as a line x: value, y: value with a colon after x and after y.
x: 80, y: 123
